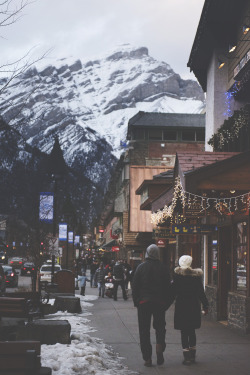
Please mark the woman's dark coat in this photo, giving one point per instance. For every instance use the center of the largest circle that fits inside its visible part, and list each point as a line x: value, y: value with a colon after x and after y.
x: 189, y: 294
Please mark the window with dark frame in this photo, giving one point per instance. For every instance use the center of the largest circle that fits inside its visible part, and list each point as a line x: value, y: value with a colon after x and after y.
x: 155, y: 134
x: 188, y: 135
x: 170, y: 135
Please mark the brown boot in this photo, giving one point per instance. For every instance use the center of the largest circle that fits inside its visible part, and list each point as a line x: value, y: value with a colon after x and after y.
x: 159, y: 354
x: 148, y: 362
x: 192, y: 354
x: 186, y: 355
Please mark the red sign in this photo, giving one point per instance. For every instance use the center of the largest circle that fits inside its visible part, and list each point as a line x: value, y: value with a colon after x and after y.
x: 101, y: 229
x: 161, y: 242
x: 113, y: 235
x: 115, y: 248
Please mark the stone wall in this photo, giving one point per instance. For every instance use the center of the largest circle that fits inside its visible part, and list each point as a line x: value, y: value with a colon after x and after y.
x: 212, y: 296
x: 239, y: 312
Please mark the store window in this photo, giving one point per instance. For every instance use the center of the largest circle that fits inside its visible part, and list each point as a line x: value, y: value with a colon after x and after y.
x: 241, y: 256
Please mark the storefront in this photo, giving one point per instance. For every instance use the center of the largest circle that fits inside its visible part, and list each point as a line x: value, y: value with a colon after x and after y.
x: 215, y: 199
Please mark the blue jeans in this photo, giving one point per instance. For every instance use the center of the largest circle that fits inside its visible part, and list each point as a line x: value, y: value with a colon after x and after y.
x: 101, y: 287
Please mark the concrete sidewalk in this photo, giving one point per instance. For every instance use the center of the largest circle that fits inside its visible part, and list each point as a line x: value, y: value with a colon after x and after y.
x: 219, y: 349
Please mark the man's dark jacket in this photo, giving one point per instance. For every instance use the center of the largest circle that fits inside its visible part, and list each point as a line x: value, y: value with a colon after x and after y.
x: 151, y: 283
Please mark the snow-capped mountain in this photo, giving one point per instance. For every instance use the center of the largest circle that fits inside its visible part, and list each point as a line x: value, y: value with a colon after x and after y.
x: 87, y: 104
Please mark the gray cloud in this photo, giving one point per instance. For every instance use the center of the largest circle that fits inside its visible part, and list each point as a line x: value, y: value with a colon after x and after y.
x: 84, y: 28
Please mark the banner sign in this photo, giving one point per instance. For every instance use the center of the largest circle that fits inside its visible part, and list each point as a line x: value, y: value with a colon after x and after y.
x: 193, y: 229
x: 70, y: 237
x: 46, y: 207
x: 63, y: 232
x: 115, y: 248
x: 77, y: 240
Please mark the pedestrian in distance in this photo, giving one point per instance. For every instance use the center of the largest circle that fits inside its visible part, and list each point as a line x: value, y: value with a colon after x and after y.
x: 100, y: 279
x: 189, y: 294
x: 119, y: 279
x: 82, y: 279
x: 151, y: 294
x: 93, y: 268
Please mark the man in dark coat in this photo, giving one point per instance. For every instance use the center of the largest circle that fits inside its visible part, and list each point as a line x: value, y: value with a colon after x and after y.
x: 151, y: 296
x: 119, y: 279
x: 189, y: 294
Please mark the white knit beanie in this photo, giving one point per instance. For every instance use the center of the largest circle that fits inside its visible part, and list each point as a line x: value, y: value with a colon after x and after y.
x: 185, y: 261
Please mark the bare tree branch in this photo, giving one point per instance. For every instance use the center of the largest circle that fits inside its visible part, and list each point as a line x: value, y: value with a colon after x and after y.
x: 10, y: 13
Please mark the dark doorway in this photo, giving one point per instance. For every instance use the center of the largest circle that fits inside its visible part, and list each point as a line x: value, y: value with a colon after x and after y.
x: 224, y: 270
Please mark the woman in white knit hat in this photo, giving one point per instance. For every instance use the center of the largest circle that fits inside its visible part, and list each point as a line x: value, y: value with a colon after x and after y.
x: 189, y: 294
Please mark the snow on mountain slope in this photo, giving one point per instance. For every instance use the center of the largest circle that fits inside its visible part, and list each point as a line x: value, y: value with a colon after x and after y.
x: 88, y: 104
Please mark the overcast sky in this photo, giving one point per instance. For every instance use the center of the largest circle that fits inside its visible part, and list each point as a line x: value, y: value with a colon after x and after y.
x: 89, y: 28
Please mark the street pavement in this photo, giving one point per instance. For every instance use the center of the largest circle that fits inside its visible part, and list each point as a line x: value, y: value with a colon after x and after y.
x: 220, y: 350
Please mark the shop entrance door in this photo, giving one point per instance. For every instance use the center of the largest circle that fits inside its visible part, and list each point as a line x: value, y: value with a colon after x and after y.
x: 224, y: 270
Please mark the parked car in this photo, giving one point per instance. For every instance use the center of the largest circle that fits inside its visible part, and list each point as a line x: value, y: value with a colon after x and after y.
x: 11, y: 277
x: 2, y: 280
x: 28, y: 268
x: 45, y: 272
x: 16, y: 262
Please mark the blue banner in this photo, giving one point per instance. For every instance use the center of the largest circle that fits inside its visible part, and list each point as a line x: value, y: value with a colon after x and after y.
x: 46, y: 207
x: 63, y: 232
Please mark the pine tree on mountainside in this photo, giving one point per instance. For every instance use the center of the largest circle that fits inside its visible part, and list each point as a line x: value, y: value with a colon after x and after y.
x: 56, y: 162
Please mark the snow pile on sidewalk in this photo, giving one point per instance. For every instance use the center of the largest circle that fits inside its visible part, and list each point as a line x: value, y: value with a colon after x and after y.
x: 85, y: 355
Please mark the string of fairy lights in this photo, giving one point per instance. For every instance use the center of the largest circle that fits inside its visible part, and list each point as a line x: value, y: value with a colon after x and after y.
x: 201, y: 204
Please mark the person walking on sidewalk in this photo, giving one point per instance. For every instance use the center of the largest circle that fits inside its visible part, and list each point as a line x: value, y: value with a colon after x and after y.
x: 119, y: 279
x: 151, y: 295
x: 82, y: 278
x: 100, y: 279
x: 188, y: 293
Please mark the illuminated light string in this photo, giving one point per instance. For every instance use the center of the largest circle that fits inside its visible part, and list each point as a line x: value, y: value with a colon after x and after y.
x: 222, y: 205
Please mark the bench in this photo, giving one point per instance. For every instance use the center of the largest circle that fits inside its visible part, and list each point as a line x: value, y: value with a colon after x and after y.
x: 21, y: 358
x: 17, y: 308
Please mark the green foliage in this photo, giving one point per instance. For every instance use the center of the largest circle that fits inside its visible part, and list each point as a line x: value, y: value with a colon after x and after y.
x: 230, y: 129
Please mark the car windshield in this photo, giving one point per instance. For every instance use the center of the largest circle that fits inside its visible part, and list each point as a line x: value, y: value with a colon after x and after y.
x: 6, y: 268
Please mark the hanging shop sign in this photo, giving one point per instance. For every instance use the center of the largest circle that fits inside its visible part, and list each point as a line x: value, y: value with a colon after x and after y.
x: 115, y: 248
x: 101, y: 229
x: 161, y: 242
x: 46, y: 207
x: 162, y: 233
x: 192, y: 229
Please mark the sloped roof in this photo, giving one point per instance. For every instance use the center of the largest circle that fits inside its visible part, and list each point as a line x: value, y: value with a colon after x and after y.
x: 190, y: 161
x: 217, y: 27
x: 156, y: 119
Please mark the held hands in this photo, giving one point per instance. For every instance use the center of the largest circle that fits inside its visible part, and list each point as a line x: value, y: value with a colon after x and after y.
x: 205, y: 312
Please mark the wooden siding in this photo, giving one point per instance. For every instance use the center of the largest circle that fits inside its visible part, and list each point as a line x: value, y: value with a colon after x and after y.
x: 139, y: 221
x: 129, y: 238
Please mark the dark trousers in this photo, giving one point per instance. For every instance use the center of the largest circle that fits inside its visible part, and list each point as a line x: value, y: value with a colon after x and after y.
x: 82, y: 290
x: 188, y: 338
x: 146, y: 311
x: 122, y: 284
